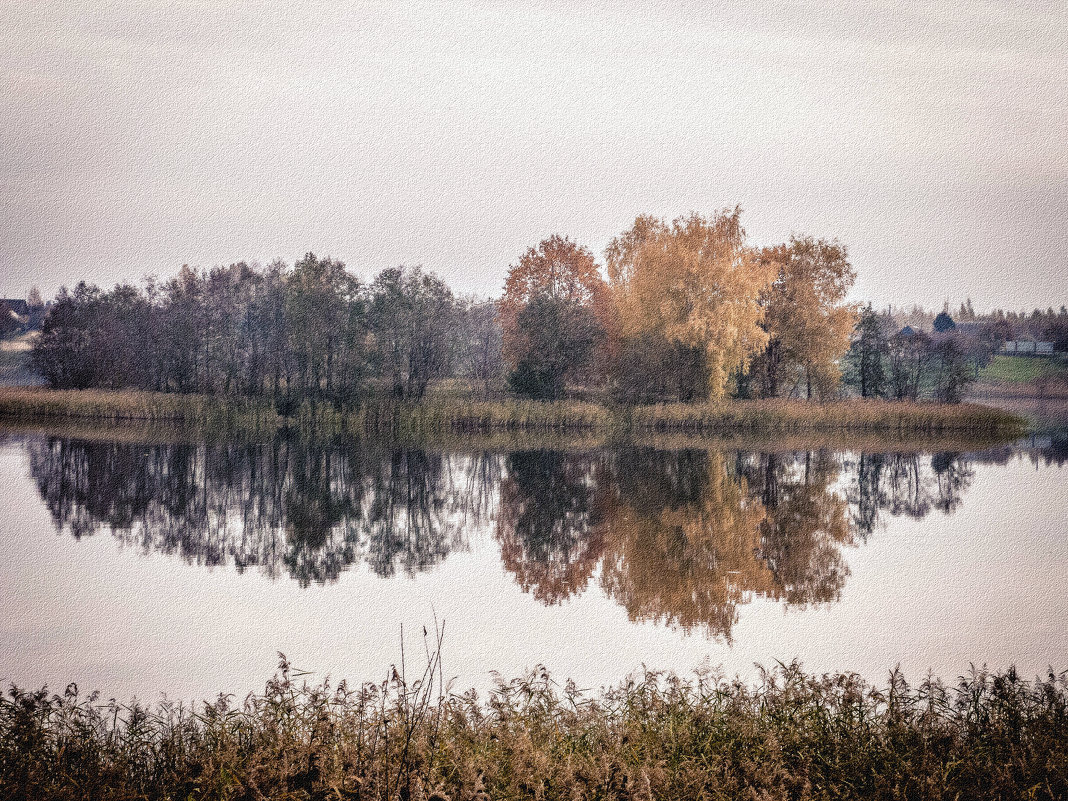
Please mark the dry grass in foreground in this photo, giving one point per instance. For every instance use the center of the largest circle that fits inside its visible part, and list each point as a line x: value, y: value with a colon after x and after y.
x: 792, y: 736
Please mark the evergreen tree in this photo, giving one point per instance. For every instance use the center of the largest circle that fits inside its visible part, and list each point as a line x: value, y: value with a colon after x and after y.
x: 866, y: 355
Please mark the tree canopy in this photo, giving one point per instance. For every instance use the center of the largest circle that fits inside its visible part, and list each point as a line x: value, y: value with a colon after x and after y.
x: 693, y: 282
x: 806, y: 317
x: 552, y: 316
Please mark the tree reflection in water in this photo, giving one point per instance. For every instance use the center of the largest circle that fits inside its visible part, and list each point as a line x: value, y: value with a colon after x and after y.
x: 805, y: 526
x: 907, y: 484
x: 686, y: 537
x: 282, y: 507
x: 548, y: 526
x: 681, y: 537
x: 684, y: 549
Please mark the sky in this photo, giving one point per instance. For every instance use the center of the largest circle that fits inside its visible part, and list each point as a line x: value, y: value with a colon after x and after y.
x: 930, y: 138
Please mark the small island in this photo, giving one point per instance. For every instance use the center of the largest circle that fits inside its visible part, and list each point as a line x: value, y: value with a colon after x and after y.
x: 685, y: 328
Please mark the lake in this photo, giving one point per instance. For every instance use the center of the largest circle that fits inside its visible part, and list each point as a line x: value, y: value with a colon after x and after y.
x: 141, y: 568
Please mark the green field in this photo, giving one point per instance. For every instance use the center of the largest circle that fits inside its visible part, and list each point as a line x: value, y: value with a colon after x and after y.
x: 1021, y: 369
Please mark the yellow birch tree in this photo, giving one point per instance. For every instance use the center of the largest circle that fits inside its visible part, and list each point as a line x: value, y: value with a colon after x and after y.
x: 693, y: 282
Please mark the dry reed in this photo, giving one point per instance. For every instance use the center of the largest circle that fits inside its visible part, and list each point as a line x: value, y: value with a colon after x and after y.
x: 401, y: 420
x: 790, y: 736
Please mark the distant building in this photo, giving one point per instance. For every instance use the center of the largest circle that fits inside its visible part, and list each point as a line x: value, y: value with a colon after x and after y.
x: 971, y: 327
x: 1020, y: 347
x: 1027, y: 347
x: 943, y: 323
x: 20, y: 307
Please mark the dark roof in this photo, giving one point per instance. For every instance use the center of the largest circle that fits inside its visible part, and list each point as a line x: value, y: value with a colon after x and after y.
x: 943, y: 323
x: 17, y: 305
x: 907, y: 331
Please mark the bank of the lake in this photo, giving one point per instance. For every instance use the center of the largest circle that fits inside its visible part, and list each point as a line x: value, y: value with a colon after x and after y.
x: 790, y: 736
x: 453, y: 416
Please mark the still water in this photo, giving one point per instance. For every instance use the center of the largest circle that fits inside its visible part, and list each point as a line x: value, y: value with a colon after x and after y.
x: 182, y: 568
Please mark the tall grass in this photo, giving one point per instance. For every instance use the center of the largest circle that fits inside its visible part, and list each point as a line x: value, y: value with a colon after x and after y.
x: 792, y: 735
x: 110, y: 406
x: 475, y: 416
x: 459, y: 416
x: 753, y: 416
x: 847, y: 415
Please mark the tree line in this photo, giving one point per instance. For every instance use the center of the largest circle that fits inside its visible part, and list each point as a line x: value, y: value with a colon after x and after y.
x: 685, y: 310
x: 688, y: 311
x: 1047, y: 325
x: 907, y: 364
x: 313, y: 330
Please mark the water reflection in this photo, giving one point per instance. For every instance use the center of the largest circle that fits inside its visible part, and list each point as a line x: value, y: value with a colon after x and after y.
x: 806, y: 524
x: 906, y: 484
x: 548, y: 528
x: 681, y: 537
x: 684, y: 548
x: 283, y: 507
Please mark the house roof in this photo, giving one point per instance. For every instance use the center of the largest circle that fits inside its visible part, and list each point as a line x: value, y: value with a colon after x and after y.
x: 17, y: 305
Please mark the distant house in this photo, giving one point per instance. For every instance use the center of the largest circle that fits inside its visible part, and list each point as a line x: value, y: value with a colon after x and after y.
x: 1027, y: 347
x: 943, y: 323
x: 18, y: 306
x: 971, y: 327
x: 907, y: 331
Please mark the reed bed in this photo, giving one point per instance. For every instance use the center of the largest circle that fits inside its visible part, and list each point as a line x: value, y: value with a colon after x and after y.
x: 206, y: 412
x: 432, y: 417
x: 475, y: 416
x: 741, y: 416
x: 844, y: 415
x: 791, y: 735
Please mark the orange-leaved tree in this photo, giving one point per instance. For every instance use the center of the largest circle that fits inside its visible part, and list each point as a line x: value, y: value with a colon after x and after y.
x: 809, y: 324
x: 553, y: 316
x: 693, y: 283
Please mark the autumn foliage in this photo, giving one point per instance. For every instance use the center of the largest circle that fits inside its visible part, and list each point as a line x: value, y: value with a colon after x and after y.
x: 693, y: 283
x: 689, y: 311
x: 806, y: 318
x: 553, y: 316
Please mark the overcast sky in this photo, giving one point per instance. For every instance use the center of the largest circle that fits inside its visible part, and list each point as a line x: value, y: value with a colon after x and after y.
x: 929, y: 138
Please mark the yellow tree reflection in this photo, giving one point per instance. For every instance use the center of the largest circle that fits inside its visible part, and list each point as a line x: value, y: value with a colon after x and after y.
x: 807, y: 522
x: 689, y: 564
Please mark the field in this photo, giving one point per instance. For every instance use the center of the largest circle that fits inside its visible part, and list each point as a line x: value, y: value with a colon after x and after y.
x: 1020, y: 369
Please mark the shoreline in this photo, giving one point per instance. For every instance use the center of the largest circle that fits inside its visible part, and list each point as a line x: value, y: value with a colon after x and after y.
x: 201, y: 414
